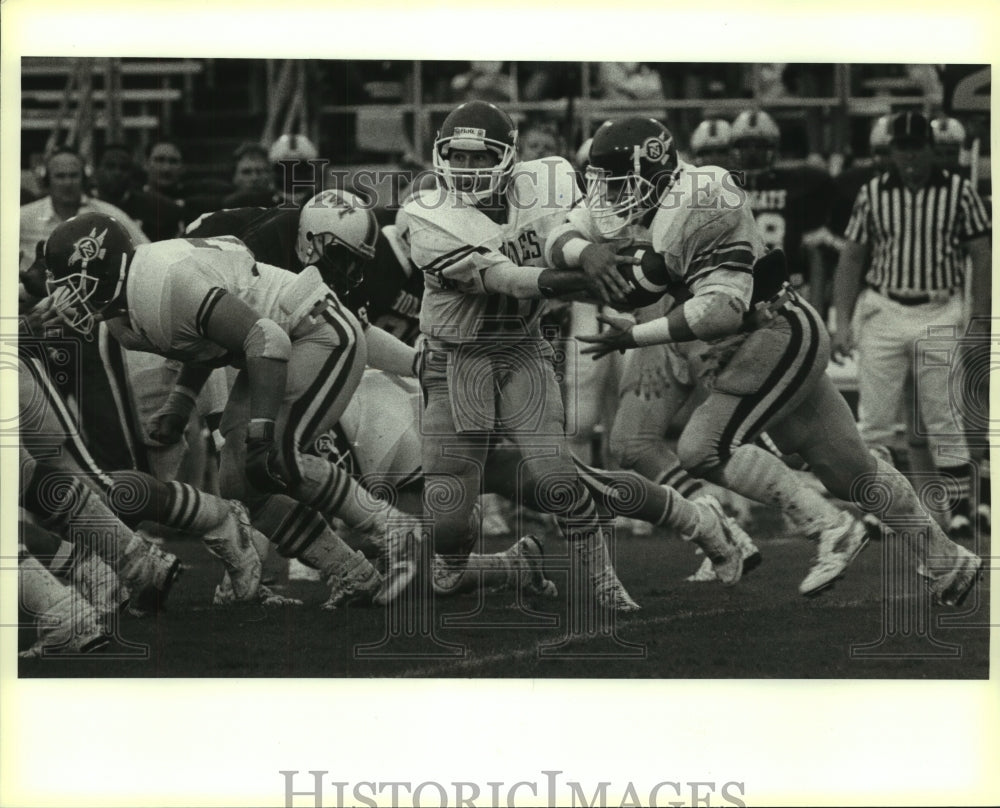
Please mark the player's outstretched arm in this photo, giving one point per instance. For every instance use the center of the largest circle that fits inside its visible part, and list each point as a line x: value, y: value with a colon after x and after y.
x: 389, y: 353
x: 706, y: 316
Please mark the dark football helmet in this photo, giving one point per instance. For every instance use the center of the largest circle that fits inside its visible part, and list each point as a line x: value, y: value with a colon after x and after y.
x: 477, y: 126
x: 754, y: 138
x: 633, y: 162
x: 87, y: 259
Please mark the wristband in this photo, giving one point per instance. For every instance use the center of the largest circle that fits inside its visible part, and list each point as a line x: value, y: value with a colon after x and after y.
x: 655, y: 332
x: 572, y: 251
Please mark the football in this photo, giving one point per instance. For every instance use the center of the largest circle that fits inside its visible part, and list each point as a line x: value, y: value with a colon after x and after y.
x: 649, y: 279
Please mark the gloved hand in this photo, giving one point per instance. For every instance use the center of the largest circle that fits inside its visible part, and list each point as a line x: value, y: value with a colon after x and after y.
x: 263, y: 460
x: 167, y: 429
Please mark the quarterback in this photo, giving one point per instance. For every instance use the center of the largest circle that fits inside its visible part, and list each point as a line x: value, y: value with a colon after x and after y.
x: 767, y: 346
x: 486, y: 370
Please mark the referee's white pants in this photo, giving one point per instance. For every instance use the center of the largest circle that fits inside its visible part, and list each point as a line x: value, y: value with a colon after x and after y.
x: 893, y: 341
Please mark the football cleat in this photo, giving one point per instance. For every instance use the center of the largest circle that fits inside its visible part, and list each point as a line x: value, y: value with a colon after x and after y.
x: 99, y: 585
x: 401, y: 565
x: 839, y: 545
x: 149, y: 573
x: 265, y: 596
x: 530, y: 551
x: 70, y: 626
x: 232, y: 543
x: 359, y: 584
x: 952, y: 586
x: 715, y: 537
x: 611, y: 594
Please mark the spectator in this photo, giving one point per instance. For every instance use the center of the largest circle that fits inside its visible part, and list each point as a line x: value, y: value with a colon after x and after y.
x: 484, y: 81
x: 631, y: 81
x: 165, y: 175
x: 539, y: 139
x: 62, y: 180
x: 253, y: 179
x: 159, y: 216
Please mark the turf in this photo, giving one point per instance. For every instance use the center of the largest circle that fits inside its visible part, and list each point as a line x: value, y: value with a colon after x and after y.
x: 761, y: 628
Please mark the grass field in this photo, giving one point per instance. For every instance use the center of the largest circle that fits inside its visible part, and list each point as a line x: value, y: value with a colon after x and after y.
x: 761, y: 628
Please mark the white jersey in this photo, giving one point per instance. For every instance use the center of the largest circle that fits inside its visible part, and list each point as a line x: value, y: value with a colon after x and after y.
x: 173, y: 287
x: 703, y: 228
x: 454, y: 243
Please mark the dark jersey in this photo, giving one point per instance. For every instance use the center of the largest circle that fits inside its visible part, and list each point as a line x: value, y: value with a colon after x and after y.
x: 389, y: 296
x: 159, y: 216
x: 787, y: 203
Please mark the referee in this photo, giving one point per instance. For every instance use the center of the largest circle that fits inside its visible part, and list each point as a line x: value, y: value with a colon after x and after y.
x: 901, y: 271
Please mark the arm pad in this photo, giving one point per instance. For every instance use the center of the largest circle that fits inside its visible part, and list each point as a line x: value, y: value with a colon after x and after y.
x: 267, y: 340
x: 706, y: 317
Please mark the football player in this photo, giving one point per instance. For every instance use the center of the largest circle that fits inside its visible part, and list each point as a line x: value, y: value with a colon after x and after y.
x: 663, y: 381
x: 790, y: 205
x: 479, y: 244
x: 710, y: 143
x: 767, y: 349
x: 378, y: 441
x: 208, y: 303
x: 67, y: 490
x: 335, y: 230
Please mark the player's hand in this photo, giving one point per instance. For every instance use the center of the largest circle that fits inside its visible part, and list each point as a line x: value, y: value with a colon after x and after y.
x: 841, y: 344
x: 167, y: 429
x: 41, y: 317
x: 617, y: 337
x: 600, y: 263
x: 33, y: 278
x: 263, y: 460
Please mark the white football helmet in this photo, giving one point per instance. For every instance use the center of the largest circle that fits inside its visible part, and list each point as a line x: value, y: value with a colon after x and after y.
x: 292, y: 147
x: 710, y: 141
x: 340, y: 228
x: 878, y: 139
x: 948, y: 131
x: 754, y: 137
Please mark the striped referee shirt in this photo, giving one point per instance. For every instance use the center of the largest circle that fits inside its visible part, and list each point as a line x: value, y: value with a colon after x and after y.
x: 915, y: 236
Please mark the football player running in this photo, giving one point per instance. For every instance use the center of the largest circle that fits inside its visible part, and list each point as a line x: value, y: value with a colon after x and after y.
x: 208, y: 303
x: 486, y: 368
x: 768, y: 346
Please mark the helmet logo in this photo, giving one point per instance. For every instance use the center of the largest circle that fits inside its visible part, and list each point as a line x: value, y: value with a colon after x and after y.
x: 468, y: 131
x: 656, y: 149
x: 88, y: 248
